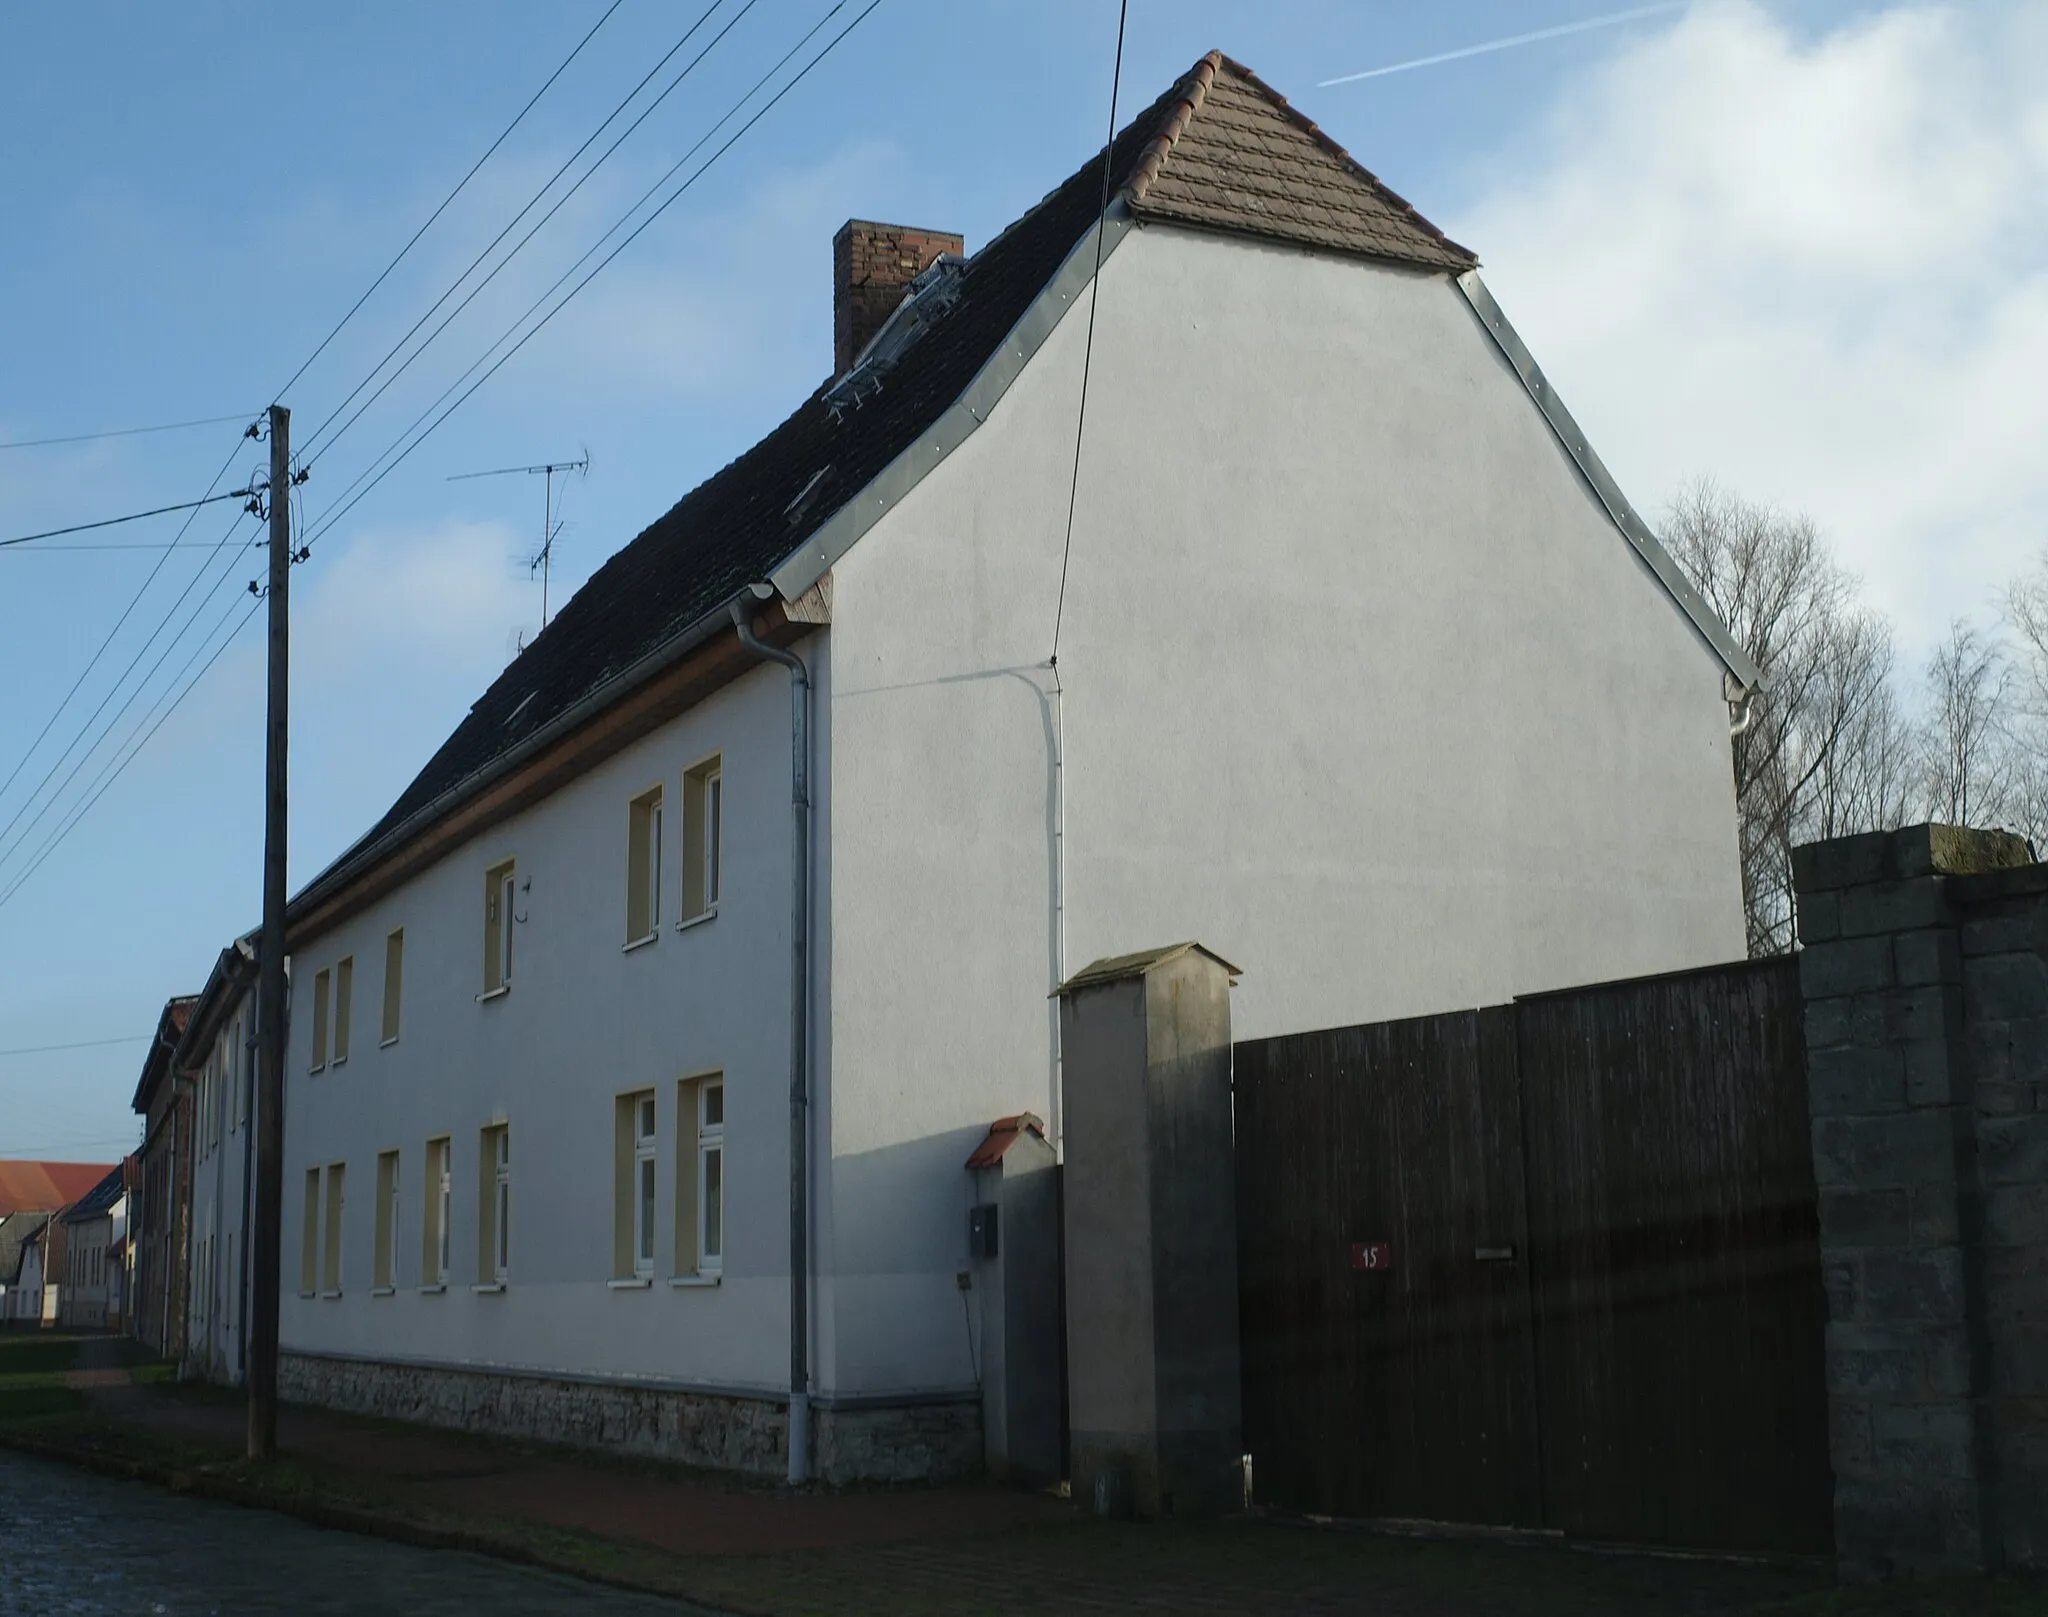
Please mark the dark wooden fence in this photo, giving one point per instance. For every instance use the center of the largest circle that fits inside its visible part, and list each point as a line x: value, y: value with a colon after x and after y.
x: 1553, y: 1264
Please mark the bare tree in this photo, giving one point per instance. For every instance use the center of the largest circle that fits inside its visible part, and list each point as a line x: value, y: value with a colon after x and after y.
x: 1969, y: 751
x: 1826, y: 751
x: 2026, y: 614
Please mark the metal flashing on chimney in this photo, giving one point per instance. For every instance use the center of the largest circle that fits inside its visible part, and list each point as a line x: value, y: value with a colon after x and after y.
x: 840, y: 532
x: 933, y: 290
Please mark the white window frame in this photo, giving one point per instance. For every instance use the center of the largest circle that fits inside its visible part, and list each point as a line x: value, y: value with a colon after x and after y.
x: 501, y: 914
x: 646, y: 863
x: 321, y: 980
x: 710, y: 1179
x: 714, y: 832
x: 393, y: 1012
x: 645, y: 1187
x: 344, y: 1008
x: 703, y: 838
x: 438, y: 1197
x: 501, y: 1231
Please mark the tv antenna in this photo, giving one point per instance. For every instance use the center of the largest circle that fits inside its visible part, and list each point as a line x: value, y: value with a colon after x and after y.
x: 549, y: 527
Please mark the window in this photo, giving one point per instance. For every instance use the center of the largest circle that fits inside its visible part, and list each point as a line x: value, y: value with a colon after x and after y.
x: 344, y: 997
x: 494, y: 1234
x: 499, y: 914
x: 384, y: 1274
x: 644, y: 840
x: 710, y: 1178
x: 703, y: 838
x: 438, y: 1211
x: 330, y: 1253
x: 700, y: 1177
x: 309, y: 1237
x: 394, y: 983
x: 634, y: 1181
x: 319, y: 1022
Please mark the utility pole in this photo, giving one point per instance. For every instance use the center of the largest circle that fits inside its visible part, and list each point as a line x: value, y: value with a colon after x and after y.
x: 270, y: 984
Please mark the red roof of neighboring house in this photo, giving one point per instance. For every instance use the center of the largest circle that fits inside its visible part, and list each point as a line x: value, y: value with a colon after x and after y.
x: 43, y: 1187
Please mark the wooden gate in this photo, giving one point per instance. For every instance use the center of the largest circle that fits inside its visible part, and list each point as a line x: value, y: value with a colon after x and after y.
x: 1552, y: 1264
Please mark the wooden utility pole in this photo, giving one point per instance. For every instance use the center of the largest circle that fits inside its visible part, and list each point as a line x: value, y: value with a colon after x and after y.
x: 270, y: 983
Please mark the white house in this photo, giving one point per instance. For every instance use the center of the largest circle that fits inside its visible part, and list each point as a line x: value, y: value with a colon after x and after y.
x: 29, y: 1300
x: 627, y: 1103
x: 215, y: 1058
x: 94, y: 1293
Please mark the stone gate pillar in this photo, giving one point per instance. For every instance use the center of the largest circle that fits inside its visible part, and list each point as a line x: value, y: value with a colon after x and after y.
x: 1891, y: 1093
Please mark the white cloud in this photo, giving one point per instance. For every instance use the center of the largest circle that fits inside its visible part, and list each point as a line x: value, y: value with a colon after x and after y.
x: 1811, y: 267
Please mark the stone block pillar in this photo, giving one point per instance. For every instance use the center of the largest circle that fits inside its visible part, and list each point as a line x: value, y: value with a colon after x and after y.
x: 1890, y: 1085
x: 1151, y: 1235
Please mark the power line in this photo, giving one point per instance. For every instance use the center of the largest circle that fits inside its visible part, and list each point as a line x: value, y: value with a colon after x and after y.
x: 354, y: 495
x: 52, y: 550
x: 445, y: 201
x: 308, y: 447
x: 107, y: 779
x: 169, y: 646
x: 126, y: 612
x: 133, y: 516
x: 78, y: 1044
x: 1116, y: 80
x: 125, y: 432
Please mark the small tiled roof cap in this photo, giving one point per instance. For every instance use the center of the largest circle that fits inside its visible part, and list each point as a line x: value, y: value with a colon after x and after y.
x: 1003, y: 1133
x: 1234, y: 156
x: 1219, y: 151
x: 43, y: 1187
x: 1115, y: 968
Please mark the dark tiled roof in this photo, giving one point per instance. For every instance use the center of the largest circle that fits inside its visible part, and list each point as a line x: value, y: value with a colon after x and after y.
x: 1218, y: 150
x: 96, y: 1202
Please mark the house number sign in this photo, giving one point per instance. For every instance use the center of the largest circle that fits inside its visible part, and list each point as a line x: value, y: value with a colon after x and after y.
x: 1372, y: 1255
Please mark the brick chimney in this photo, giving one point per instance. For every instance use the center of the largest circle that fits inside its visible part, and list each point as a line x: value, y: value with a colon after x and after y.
x: 872, y: 266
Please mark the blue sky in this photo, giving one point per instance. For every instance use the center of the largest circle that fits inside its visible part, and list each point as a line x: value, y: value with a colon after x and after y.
x: 1796, y: 244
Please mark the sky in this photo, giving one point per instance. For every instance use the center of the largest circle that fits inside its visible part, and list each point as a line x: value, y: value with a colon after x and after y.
x: 1794, y: 245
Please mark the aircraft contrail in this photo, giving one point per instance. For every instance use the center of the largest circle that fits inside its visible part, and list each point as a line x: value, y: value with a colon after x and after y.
x: 1509, y: 43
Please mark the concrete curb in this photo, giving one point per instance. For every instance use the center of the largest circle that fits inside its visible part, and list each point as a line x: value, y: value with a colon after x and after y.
x: 348, y: 1519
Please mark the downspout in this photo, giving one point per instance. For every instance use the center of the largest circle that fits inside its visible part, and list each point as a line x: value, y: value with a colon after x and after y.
x: 1741, y: 701
x: 799, y: 1019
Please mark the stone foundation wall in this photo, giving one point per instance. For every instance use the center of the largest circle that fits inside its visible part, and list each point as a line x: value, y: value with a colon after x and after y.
x: 900, y: 1443
x: 920, y: 1442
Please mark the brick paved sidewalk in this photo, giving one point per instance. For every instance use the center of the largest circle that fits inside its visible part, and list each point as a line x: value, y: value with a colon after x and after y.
x: 940, y: 1552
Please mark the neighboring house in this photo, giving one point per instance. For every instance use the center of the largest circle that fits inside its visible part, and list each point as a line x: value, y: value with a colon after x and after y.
x: 215, y: 1060
x: 160, y: 1221
x: 15, y: 1230
x: 32, y: 1194
x: 29, y: 1301
x: 1366, y: 675
x: 96, y: 1230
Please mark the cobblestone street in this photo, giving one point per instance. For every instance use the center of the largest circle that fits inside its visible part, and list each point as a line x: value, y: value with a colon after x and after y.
x: 89, y: 1546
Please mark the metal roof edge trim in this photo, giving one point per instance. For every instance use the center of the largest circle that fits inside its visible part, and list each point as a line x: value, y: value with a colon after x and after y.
x: 361, y: 857
x: 850, y: 523
x: 1633, y: 528
x: 233, y: 975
